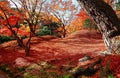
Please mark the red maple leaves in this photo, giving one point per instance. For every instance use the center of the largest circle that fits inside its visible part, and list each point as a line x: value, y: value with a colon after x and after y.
x: 12, y: 20
x: 82, y: 15
x: 6, y: 31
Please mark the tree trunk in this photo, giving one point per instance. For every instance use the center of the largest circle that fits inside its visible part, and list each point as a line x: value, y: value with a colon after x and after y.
x: 21, y: 44
x: 103, y: 15
x: 33, y: 32
x: 64, y: 31
x: 32, y: 29
x: 27, y: 49
x: 105, y: 18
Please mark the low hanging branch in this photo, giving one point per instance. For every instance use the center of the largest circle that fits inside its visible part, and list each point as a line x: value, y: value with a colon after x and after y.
x: 105, y: 18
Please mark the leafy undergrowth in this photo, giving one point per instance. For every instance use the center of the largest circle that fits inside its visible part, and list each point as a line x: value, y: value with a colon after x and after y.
x: 55, y: 58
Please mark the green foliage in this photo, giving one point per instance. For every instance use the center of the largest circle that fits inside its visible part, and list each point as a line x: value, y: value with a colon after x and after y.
x: 43, y: 31
x: 27, y: 75
x: 117, y: 6
x: 21, y: 69
x: 89, y: 24
x: 5, y: 39
x: 53, y: 26
x: 110, y: 76
x: 67, y: 76
x: 49, y: 29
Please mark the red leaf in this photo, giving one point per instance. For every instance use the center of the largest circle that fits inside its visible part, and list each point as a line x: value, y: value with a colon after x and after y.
x: 12, y: 20
x: 82, y: 14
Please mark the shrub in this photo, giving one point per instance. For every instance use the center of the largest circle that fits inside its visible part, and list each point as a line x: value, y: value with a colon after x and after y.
x: 117, y: 5
x: 5, y: 39
x: 89, y: 24
x: 43, y: 31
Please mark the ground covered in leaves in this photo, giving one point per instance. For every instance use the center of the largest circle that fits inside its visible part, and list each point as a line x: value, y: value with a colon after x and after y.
x: 51, y: 57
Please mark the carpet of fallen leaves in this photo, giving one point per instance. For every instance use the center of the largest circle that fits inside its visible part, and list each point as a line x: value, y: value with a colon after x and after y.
x: 59, y: 52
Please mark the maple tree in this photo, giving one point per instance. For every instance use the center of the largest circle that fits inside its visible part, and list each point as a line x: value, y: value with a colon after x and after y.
x: 78, y: 22
x: 19, y: 32
x: 12, y: 22
x: 31, y: 11
x: 24, y: 11
x: 63, y: 10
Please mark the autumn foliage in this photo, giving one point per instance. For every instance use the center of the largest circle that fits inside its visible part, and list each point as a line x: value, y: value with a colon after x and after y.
x: 61, y: 54
x: 82, y: 15
x: 12, y: 20
x: 78, y: 22
x: 7, y: 32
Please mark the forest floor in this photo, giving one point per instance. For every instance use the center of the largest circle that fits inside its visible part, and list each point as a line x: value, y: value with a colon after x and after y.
x: 57, y: 52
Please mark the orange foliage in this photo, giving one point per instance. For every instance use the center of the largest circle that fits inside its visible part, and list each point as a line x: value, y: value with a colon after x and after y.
x: 9, y: 18
x: 7, y: 32
x: 109, y: 1
x: 77, y: 23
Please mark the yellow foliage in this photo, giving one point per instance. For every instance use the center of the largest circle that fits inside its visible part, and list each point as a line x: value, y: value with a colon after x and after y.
x: 26, y: 28
x: 75, y: 25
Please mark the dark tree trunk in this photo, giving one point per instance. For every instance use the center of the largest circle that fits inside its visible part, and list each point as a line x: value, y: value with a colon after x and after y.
x: 33, y: 32
x: 105, y: 18
x: 103, y: 15
x: 64, y: 31
x: 27, y: 49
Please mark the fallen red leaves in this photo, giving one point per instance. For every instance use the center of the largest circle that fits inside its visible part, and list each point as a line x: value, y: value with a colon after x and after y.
x: 60, y: 52
x: 114, y: 63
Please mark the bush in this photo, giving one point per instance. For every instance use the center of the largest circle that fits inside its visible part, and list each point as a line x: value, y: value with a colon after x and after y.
x: 5, y: 39
x: 117, y: 5
x: 89, y: 24
x: 50, y: 29
x: 43, y: 31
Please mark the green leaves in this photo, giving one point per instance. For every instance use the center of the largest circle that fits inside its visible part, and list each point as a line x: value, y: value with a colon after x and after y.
x: 5, y: 39
x: 89, y: 24
x: 110, y: 76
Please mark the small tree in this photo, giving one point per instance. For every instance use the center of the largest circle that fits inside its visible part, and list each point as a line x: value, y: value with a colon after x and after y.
x: 11, y: 19
x: 27, y: 10
x: 63, y: 10
x: 31, y: 9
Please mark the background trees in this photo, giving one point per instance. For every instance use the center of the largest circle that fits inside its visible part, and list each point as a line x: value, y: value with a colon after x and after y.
x: 63, y: 10
x: 31, y: 9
